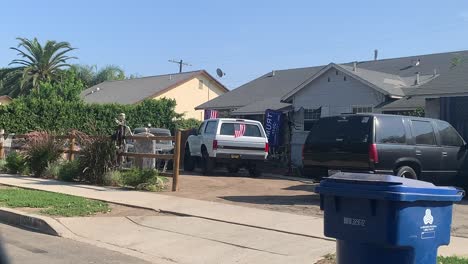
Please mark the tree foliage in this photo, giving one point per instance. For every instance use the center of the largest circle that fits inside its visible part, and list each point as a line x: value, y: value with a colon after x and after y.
x: 36, y: 63
x: 56, y: 106
x: 90, y: 75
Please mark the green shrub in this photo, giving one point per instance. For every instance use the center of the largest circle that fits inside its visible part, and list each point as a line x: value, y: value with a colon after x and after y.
x: 143, y: 179
x: 69, y: 171
x: 30, y: 113
x: 53, y: 170
x: 113, y: 178
x: 41, y: 151
x: 188, y: 123
x: 3, y: 166
x: 98, y: 156
x: 16, y: 163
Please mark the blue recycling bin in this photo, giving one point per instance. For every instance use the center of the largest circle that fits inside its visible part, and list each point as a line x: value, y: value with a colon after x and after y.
x: 386, y: 219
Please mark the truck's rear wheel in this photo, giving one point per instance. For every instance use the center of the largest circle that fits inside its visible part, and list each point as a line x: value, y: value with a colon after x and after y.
x: 255, y: 170
x: 189, y: 162
x: 406, y: 172
x: 208, y: 163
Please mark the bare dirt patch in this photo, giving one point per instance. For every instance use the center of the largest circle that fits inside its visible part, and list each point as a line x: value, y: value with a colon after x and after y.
x: 283, y: 195
x: 291, y: 196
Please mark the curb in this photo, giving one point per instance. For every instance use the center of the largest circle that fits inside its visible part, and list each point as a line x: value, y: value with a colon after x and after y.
x: 37, y: 223
x: 50, y: 226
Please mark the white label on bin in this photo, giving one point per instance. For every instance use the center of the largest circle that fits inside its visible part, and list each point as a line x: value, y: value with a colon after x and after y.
x: 354, y: 221
x: 428, y: 219
x: 428, y: 230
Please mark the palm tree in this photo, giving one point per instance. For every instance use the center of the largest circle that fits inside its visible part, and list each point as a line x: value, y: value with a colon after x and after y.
x: 109, y: 73
x: 85, y: 73
x: 37, y: 63
x: 90, y: 76
x: 10, y: 79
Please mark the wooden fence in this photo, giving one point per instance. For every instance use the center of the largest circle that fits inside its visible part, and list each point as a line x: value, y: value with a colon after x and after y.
x: 72, y: 151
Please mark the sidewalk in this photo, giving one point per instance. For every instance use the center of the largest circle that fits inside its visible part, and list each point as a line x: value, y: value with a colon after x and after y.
x: 233, y: 234
x: 270, y: 220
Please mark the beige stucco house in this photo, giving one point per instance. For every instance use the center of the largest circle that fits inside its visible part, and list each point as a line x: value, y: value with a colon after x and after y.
x: 189, y: 89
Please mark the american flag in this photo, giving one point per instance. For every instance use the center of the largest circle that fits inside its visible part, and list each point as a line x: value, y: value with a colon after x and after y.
x: 211, y: 114
x: 239, y: 130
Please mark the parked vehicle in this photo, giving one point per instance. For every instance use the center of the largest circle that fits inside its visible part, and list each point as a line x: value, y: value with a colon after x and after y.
x: 162, y: 146
x: 233, y: 143
x: 412, y: 147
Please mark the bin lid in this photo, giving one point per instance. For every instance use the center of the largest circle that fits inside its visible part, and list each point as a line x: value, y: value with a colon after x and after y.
x: 386, y: 187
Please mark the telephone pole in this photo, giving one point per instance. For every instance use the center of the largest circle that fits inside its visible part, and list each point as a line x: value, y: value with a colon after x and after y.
x: 181, y: 63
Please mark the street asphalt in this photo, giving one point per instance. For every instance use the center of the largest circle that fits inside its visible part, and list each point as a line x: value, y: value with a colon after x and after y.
x: 24, y: 246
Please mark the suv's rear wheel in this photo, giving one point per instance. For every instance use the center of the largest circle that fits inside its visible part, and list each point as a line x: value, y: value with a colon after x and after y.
x: 189, y: 162
x: 406, y: 172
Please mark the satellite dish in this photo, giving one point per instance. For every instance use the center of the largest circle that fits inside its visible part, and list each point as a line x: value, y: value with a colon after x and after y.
x: 220, y: 73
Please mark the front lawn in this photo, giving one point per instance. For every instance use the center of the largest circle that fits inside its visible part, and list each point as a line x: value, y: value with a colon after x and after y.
x: 54, y: 204
x: 452, y: 260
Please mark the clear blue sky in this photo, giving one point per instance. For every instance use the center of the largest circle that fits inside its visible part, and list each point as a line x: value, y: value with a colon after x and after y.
x: 244, y: 38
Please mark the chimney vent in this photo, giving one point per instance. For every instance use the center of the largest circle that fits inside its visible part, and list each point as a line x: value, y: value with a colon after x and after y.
x: 435, y: 72
x: 354, y: 66
x: 376, y: 54
x: 416, y: 81
x: 170, y: 76
x: 273, y: 72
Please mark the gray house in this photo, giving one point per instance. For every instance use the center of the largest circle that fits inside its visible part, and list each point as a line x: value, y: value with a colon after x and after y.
x: 306, y: 94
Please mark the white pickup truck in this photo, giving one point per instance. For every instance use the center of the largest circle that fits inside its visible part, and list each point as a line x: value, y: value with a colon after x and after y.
x: 234, y: 143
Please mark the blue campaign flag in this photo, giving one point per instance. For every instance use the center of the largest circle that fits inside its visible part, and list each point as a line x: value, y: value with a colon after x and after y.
x: 273, y: 121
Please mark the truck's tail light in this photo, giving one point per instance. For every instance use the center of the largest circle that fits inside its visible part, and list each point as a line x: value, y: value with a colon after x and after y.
x: 267, y: 147
x: 215, y: 144
x: 373, y: 154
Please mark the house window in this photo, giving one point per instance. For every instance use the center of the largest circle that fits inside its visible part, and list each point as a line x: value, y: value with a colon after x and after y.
x: 310, y: 117
x: 200, y: 84
x: 336, y: 72
x: 362, y: 109
x: 344, y: 78
x: 328, y: 79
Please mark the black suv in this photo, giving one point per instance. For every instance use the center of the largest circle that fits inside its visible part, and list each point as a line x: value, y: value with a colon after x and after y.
x: 412, y: 147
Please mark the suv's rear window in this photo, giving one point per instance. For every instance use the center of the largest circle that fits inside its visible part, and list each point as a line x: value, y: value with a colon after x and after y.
x: 390, y: 130
x: 448, y: 135
x: 228, y: 129
x: 346, y: 129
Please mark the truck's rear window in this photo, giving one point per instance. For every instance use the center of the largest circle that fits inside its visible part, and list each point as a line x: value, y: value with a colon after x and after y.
x: 349, y: 129
x: 228, y: 129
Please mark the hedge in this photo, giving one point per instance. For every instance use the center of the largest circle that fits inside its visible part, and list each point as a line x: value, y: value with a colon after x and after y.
x: 57, y: 107
x: 32, y: 114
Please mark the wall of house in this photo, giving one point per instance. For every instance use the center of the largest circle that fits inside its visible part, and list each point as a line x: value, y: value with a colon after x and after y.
x: 336, y: 96
x: 193, y: 93
x: 432, y: 108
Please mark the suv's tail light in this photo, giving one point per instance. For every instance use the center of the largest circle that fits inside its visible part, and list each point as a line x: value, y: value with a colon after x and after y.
x: 373, y: 155
x: 215, y: 144
x: 267, y: 147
